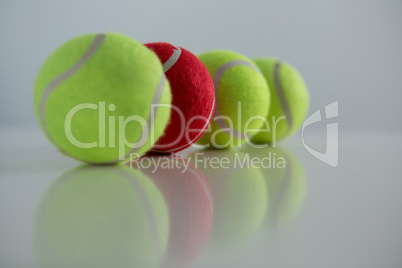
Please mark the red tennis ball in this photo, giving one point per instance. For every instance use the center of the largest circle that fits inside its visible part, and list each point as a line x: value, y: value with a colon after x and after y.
x: 193, y: 101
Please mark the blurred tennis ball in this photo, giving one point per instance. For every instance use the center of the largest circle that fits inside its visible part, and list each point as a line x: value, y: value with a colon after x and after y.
x: 101, y: 217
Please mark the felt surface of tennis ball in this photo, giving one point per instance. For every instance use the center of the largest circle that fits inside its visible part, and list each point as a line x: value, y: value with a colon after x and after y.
x: 95, y: 92
x: 242, y: 94
x: 289, y: 100
x: 101, y: 217
x: 193, y: 98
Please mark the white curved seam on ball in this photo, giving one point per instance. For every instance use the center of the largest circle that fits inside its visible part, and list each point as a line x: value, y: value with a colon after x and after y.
x: 166, y: 66
x: 156, y: 100
x: 281, y: 95
x: 217, y: 78
x: 95, y: 45
x: 172, y: 60
x: 199, y: 134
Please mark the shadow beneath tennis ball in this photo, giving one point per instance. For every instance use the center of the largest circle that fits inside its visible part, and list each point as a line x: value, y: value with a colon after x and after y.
x: 109, y: 216
x: 190, y: 203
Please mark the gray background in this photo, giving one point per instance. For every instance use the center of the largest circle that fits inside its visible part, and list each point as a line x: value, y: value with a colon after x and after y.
x: 347, y: 50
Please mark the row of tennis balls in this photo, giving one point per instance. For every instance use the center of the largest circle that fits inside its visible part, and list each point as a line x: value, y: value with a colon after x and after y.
x: 97, y: 68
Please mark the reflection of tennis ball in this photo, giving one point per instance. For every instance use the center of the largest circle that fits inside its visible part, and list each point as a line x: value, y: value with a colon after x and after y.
x: 285, y: 179
x: 193, y: 98
x: 289, y: 103
x: 242, y: 94
x: 102, y: 217
x: 189, y: 198
x: 93, y: 97
x: 240, y: 200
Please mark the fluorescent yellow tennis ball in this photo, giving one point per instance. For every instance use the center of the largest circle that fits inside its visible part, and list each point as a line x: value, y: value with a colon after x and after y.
x: 93, y: 98
x: 289, y: 100
x: 242, y: 99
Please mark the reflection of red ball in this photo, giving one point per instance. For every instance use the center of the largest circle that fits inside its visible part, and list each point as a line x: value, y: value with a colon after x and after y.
x: 193, y: 95
x: 189, y: 199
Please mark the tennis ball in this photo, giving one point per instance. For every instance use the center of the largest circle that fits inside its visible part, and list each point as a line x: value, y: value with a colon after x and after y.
x: 101, y: 217
x: 289, y: 103
x: 93, y: 98
x: 242, y: 99
x: 189, y: 199
x: 193, y: 100
x: 240, y: 199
